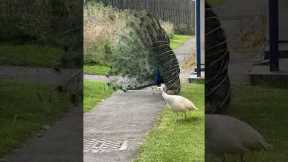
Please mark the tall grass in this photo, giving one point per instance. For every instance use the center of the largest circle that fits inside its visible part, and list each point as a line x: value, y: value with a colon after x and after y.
x: 101, y: 24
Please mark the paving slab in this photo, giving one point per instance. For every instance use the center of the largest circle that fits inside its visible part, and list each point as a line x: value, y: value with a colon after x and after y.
x: 114, y: 130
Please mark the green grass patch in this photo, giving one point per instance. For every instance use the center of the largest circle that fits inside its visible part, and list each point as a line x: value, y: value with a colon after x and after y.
x: 29, y: 55
x: 266, y: 110
x: 95, y: 92
x: 96, y: 69
x: 24, y: 109
x: 175, y: 141
x: 178, y: 40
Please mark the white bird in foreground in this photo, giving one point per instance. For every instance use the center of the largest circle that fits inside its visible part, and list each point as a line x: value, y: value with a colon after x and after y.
x: 228, y: 135
x: 177, y: 103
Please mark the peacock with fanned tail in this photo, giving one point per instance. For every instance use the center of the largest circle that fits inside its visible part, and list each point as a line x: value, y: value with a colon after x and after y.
x: 143, y: 57
x: 217, y: 83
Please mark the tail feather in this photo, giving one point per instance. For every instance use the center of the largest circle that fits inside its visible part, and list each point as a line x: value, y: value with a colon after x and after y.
x: 193, y: 107
x: 267, y: 146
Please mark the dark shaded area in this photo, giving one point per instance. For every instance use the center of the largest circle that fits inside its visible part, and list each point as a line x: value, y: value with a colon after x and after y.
x: 217, y: 83
x: 41, y: 80
x: 256, y: 91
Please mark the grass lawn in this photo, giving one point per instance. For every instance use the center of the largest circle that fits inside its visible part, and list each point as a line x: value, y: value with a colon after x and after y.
x: 266, y: 110
x: 96, y: 69
x: 94, y: 92
x: 25, y: 108
x: 31, y: 55
x: 181, y: 141
x: 178, y: 40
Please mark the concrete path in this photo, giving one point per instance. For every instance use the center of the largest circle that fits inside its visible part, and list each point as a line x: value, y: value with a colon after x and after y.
x: 183, y: 53
x: 114, y: 130
x: 60, y: 143
x: 36, y: 74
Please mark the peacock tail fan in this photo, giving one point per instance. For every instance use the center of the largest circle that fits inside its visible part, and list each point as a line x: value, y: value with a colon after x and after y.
x: 217, y: 83
x: 140, y: 50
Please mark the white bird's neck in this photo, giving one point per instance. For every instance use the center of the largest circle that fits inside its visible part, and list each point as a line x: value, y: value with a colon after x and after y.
x: 165, y: 95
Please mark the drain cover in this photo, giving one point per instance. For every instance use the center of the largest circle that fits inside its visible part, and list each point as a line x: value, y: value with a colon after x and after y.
x: 100, y: 145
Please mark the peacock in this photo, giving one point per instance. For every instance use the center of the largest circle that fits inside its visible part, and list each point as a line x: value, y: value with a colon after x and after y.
x: 142, y: 55
x: 217, y: 83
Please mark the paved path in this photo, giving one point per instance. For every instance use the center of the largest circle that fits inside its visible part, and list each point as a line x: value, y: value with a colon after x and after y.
x: 184, y: 53
x: 61, y: 143
x: 120, y: 123
x: 36, y: 74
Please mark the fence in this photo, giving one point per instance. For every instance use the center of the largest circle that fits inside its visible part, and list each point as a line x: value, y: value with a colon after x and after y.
x: 178, y: 12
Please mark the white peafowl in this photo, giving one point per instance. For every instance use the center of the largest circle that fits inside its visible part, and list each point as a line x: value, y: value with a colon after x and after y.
x: 177, y: 103
x: 228, y: 135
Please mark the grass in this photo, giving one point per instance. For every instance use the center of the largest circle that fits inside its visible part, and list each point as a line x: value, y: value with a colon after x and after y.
x: 178, y: 40
x: 181, y: 141
x: 96, y: 69
x: 266, y: 110
x: 29, y: 55
x: 94, y: 92
x: 25, y: 108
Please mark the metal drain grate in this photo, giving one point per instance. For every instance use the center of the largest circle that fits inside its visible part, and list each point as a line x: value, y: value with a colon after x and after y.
x: 104, y: 145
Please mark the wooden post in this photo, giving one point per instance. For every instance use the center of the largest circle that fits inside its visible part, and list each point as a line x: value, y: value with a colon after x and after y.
x: 274, y: 34
x: 198, y: 36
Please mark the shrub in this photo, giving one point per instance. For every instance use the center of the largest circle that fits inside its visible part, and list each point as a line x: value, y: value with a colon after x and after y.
x: 101, y: 24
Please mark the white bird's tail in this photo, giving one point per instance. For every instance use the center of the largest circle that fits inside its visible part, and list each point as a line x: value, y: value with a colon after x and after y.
x: 194, y: 107
x: 267, y: 146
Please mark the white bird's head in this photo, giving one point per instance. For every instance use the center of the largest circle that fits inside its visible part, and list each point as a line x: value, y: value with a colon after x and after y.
x: 162, y: 88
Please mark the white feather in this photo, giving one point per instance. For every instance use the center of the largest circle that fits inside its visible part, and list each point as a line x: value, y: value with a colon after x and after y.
x: 177, y: 103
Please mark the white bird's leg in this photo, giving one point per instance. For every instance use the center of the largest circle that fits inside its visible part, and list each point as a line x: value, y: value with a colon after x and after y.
x: 185, y: 115
x: 175, y: 116
x: 153, y: 90
x: 224, y: 158
x: 242, y: 157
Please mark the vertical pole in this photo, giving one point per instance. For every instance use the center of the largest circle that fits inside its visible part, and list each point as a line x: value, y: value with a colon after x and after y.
x: 274, y: 34
x: 198, y: 36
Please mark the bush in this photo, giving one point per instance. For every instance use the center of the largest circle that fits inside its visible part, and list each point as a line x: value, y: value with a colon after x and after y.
x: 183, y: 29
x: 101, y: 25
